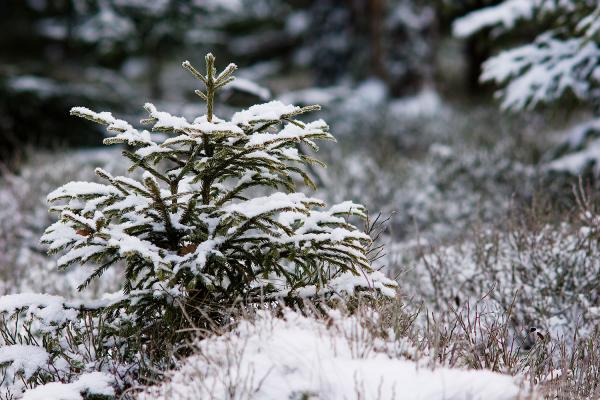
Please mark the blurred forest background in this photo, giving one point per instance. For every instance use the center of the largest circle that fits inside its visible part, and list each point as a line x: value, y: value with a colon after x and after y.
x: 399, y: 81
x: 110, y: 53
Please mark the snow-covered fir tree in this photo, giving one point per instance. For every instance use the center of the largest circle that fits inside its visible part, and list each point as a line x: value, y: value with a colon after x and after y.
x: 563, y: 60
x: 193, y: 230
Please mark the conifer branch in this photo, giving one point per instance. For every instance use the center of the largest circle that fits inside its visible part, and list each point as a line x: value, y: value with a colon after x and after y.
x: 140, y: 162
x: 210, y: 86
x: 187, y: 65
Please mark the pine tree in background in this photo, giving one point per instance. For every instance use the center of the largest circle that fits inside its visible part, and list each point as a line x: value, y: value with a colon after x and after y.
x: 562, y: 61
x: 194, y: 232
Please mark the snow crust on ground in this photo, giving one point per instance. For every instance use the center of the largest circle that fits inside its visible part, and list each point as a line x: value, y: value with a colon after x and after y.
x: 303, y: 357
x: 26, y: 359
x: 93, y: 383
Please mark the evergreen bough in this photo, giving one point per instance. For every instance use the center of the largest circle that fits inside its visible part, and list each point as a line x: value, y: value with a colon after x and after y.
x: 561, y: 64
x: 214, y: 218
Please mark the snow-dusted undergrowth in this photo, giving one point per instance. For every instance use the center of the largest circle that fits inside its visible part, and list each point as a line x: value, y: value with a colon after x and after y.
x: 24, y: 264
x: 302, y: 357
x: 439, y: 194
x: 544, y: 277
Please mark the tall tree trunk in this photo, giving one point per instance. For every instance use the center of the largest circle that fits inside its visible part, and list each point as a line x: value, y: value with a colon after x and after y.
x: 376, y: 37
x: 155, y: 73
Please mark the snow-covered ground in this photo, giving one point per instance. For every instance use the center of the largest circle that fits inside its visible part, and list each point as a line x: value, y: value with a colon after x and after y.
x: 300, y: 357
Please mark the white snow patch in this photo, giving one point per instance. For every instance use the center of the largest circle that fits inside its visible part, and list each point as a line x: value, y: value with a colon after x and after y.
x: 267, y: 204
x: 576, y: 162
x: 93, y: 383
x: 48, y: 308
x: 26, y: 359
x: 248, y: 86
x: 303, y: 357
x: 426, y: 103
x: 270, y: 111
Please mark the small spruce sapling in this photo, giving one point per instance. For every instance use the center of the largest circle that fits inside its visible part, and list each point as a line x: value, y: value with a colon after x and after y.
x: 211, y: 219
x: 192, y: 231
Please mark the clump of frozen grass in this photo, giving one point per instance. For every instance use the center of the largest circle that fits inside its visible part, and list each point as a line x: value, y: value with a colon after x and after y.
x: 545, y: 273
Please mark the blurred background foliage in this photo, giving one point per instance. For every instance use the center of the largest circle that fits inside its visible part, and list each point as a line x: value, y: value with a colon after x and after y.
x: 397, y: 85
x: 55, y: 54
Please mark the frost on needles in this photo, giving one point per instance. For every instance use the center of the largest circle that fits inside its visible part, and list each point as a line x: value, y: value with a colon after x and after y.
x: 190, y: 230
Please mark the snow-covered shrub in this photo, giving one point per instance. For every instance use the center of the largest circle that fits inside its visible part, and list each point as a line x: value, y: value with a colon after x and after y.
x: 46, y: 339
x: 563, y: 60
x: 521, y: 300
x: 543, y: 275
